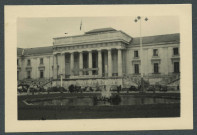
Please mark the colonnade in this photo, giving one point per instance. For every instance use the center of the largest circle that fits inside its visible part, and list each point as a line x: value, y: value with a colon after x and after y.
x: 59, y: 65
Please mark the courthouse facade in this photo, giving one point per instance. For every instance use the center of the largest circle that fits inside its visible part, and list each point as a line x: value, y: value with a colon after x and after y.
x: 103, y: 57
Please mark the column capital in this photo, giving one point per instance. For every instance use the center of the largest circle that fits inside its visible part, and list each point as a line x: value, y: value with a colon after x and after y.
x: 80, y: 51
x: 70, y: 51
x: 99, y: 50
x: 55, y: 53
x: 65, y: 52
x: 62, y: 53
x: 77, y: 51
x: 119, y: 48
x: 109, y: 49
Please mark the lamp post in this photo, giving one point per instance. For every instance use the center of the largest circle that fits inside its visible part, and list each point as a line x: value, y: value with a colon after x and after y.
x: 140, y: 19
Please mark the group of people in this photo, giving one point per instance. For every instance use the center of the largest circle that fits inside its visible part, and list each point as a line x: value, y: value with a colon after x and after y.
x: 36, y: 86
x: 29, y: 87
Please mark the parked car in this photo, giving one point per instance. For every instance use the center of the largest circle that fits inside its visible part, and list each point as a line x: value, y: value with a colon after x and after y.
x: 31, y: 89
x: 41, y: 89
x: 56, y: 89
x: 22, y: 88
x: 151, y: 88
x: 133, y: 88
x: 163, y: 88
x: 98, y: 88
x: 113, y: 88
x: 88, y: 89
x: 125, y: 89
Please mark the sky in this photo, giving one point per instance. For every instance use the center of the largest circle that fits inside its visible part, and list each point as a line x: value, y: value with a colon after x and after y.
x: 39, y: 32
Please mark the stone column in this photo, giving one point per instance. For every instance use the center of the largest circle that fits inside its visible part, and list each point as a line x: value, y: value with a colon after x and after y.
x: 55, y: 66
x: 90, y: 62
x: 62, y: 71
x: 99, y: 63
x: 80, y: 63
x: 119, y: 62
x: 63, y: 65
x: 49, y: 68
x: 109, y: 63
x: 71, y: 63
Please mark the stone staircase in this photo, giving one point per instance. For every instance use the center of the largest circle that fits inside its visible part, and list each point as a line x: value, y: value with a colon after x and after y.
x: 38, y: 82
x: 162, y: 80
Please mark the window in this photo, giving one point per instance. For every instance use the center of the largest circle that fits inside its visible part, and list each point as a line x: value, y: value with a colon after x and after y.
x: 155, y: 52
x: 136, y: 54
x: 175, y: 51
x: 28, y: 74
x: 41, y: 61
x: 41, y: 74
x: 17, y: 62
x: 28, y: 62
x: 176, y: 67
x: 17, y: 75
x: 156, y: 68
x: 136, y: 67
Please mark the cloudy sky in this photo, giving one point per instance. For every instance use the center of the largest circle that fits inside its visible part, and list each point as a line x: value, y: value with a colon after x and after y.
x: 38, y: 32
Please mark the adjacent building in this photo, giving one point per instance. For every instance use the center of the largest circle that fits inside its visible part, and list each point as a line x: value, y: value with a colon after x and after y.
x: 103, y: 57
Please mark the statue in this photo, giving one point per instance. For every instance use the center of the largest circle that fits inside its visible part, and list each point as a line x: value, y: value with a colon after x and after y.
x: 106, y: 93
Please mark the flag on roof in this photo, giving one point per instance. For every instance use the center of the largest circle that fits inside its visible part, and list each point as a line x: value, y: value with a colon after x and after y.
x: 81, y: 25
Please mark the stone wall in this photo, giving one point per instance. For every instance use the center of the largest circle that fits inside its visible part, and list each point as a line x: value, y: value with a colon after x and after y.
x: 135, y: 80
x: 88, y: 82
x: 165, y: 55
x: 35, y: 66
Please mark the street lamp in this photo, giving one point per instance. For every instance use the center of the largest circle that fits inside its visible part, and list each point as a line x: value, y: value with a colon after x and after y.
x: 140, y: 19
x: 61, y: 74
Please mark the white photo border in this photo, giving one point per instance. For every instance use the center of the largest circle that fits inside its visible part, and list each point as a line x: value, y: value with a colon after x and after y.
x: 183, y: 122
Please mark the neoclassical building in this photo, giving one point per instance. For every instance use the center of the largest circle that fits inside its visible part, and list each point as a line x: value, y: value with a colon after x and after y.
x: 102, y: 57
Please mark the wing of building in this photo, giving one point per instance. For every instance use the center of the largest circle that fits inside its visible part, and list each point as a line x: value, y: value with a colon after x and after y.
x: 102, y: 57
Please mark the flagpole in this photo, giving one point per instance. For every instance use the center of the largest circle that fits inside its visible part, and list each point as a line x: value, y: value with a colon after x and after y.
x: 81, y: 26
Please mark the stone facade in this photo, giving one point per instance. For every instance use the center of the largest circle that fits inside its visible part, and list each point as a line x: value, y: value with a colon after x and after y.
x: 35, y: 66
x: 104, y: 57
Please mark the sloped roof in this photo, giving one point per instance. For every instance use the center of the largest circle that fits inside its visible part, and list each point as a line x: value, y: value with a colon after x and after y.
x: 37, y: 50
x: 157, y: 39
x: 136, y: 41
x: 19, y: 51
x: 100, y: 30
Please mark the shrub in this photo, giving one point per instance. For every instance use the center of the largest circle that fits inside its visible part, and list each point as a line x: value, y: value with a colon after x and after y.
x: 56, y: 89
x: 71, y: 88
